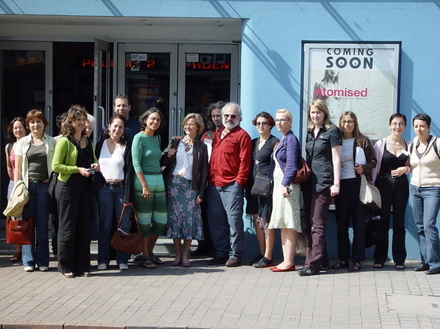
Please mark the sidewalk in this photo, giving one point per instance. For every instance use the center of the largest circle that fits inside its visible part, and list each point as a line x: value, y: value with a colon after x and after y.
x: 218, y: 297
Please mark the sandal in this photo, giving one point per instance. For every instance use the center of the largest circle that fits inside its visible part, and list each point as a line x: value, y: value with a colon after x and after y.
x: 68, y: 275
x: 156, y: 260
x: 16, y: 257
x: 354, y: 267
x: 340, y: 264
x: 147, y: 262
x: 399, y: 266
x: 85, y: 274
x: 378, y: 265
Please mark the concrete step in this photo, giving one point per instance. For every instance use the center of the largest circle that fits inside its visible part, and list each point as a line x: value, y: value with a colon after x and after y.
x: 164, y: 246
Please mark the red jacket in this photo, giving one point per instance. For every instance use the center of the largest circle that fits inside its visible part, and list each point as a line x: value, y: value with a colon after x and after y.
x: 231, y: 158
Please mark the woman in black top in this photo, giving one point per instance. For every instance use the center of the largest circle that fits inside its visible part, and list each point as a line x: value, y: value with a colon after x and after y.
x: 323, y: 147
x: 260, y: 207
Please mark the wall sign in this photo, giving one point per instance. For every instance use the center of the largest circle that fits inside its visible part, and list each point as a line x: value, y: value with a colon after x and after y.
x: 362, y: 77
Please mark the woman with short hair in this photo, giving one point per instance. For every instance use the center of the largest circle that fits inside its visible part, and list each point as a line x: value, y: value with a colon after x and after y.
x: 425, y: 192
x: 185, y: 183
x: 33, y: 165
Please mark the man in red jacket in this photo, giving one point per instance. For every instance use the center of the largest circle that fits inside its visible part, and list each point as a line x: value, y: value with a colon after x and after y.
x: 229, y: 170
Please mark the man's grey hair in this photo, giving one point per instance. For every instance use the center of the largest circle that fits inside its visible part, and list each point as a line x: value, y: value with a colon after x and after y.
x: 236, y: 105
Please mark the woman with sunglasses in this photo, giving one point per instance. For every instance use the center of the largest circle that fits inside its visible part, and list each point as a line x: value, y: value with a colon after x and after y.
x: 261, y: 207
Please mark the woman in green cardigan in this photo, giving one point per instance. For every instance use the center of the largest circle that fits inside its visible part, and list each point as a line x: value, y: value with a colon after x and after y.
x: 74, y: 160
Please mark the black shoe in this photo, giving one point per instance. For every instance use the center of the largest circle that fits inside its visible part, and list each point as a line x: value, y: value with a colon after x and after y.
x: 263, y: 262
x: 200, y: 252
x: 256, y: 259
x: 307, y: 272
x: 422, y: 267
x: 325, y: 267
x: 433, y: 271
x: 340, y: 264
x: 218, y: 261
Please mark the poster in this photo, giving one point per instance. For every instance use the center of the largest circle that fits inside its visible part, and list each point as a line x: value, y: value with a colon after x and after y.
x: 360, y: 77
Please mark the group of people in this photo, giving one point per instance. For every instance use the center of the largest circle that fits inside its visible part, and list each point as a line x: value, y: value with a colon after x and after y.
x: 196, y: 187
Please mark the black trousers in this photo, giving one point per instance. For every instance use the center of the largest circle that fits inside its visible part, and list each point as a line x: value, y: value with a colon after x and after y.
x: 75, y: 212
x: 348, y: 205
x: 394, y: 192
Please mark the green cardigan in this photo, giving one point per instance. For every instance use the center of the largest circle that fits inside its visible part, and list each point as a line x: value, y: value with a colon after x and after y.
x: 64, y: 159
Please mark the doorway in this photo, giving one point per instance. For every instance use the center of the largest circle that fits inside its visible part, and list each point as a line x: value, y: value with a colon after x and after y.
x: 177, y: 79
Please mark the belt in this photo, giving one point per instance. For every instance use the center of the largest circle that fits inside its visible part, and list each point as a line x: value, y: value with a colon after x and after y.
x: 153, y: 172
x: 114, y: 185
x: 35, y: 180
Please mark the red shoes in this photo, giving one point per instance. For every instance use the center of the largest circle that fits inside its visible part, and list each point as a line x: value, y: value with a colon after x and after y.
x: 16, y: 257
x: 276, y: 269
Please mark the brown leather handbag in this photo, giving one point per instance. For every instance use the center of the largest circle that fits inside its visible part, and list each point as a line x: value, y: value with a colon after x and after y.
x: 19, y: 231
x: 130, y: 243
x: 303, y: 172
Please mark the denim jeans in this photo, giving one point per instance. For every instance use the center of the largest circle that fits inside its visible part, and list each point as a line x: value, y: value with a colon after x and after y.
x: 38, y: 208
x: 110, y: 207
x: 225, y: 218
x: 426, y: 204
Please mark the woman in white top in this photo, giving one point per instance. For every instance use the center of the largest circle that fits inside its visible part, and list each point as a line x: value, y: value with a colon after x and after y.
x: 114, y: 156
x: 425, y: 192
x: 16, y: 131
x: 185, y: 184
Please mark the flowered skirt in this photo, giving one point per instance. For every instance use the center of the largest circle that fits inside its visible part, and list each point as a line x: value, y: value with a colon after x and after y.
x: 184, y: 215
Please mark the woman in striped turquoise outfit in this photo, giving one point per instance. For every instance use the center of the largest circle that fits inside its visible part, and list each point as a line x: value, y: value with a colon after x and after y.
x: 149, y: 189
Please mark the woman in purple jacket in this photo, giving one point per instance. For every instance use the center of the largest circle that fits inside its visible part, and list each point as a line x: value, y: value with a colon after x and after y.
x: 286, y: 213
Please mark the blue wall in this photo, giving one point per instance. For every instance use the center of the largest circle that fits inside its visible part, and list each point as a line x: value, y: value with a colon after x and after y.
x: 272, y: 33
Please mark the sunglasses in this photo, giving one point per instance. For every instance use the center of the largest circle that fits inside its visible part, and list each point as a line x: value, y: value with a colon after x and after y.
x: 232, y: 116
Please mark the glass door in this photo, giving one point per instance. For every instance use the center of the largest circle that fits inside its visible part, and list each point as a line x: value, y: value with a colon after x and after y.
x: 147, y: 74
x: 26, y: 80
x: 177, y: 79
x: 207, y: 74
x: 25, y: 84
x: 102, y: 85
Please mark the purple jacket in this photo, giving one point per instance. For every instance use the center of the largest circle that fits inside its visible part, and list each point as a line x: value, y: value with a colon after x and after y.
x: 288, y: 154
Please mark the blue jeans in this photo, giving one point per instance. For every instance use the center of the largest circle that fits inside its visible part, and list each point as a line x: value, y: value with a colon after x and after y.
x: 38, y: 208
x: 426, y: 204
x: 110, y: 207
x: 225, y: 218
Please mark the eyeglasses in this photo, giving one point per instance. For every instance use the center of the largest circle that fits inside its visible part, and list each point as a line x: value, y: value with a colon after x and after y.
x: 262, y: 123
x: 397, y: 124
x: 190, y: 125
x: 232, y: 116
x: 281, y: 120
x: 347, y: 122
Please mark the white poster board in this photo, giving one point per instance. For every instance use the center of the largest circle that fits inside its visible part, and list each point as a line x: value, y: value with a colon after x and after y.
x: 362, y: 77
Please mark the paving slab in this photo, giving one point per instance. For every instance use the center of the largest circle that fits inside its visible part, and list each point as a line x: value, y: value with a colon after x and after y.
x: 203, y: 296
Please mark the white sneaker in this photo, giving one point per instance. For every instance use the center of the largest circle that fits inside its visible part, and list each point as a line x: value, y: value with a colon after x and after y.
x: 123, y: 266
x: 43, y: 268
x: 102, y: 266
x: 28, y: 268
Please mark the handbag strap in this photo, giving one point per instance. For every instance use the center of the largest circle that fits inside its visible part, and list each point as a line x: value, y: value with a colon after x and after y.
x: 127, y: 204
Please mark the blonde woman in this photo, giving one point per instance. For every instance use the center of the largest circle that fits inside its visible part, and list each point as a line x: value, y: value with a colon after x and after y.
x: 323, y: 148
x: 286, y: 214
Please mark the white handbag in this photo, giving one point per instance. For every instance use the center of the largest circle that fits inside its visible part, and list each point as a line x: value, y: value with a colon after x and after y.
x: 369, y: 196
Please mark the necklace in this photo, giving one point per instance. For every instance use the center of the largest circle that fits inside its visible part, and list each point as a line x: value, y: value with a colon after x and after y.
x: 76, y: 140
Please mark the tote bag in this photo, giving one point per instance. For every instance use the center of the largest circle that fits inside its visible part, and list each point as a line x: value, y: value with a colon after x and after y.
x: 369, y: 196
